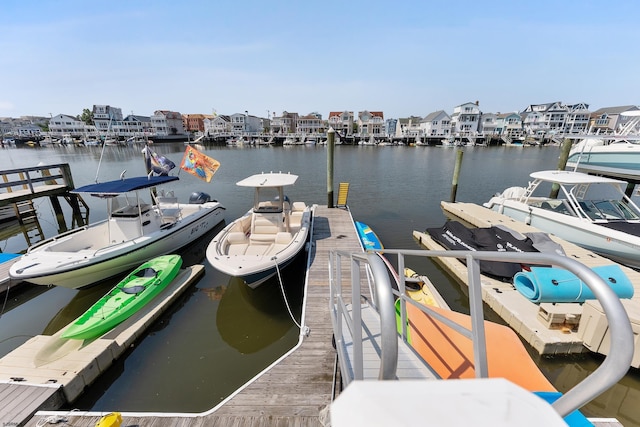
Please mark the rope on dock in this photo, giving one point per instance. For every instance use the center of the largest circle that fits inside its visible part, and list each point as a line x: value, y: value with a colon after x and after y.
x: 303, y: 329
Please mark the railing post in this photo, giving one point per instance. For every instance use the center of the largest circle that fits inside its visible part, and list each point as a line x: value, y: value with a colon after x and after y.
x: 477, y: 318
x: 65, y: 170
x: 356, y: 315
x: 386, y: 307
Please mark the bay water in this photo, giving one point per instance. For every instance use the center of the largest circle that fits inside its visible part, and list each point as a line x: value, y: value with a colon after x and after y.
x: 220, y: 333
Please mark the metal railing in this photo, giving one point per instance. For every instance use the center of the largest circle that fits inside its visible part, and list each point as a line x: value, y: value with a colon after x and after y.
x: 612, y: 369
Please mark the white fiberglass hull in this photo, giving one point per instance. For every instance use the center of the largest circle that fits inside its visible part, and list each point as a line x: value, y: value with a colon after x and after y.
x: 594, y: 155
x: 615, y: 245
x: 255, y: 264
x: 43, y: 265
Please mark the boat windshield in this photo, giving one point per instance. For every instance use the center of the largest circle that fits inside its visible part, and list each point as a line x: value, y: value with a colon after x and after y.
x: 608, y: 210
x: 268, y: 199
x: 123, y: 206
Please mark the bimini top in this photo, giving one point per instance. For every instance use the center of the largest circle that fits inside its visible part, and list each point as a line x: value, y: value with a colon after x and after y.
x: 268, y: 180
x: 113, y: 188
x: 572, y: 178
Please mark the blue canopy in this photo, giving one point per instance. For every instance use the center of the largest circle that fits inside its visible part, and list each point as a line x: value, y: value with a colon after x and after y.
x: 119, y: 186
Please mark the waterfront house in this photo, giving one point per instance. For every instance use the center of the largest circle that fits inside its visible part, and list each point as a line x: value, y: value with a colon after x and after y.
x: 540, y: 119
x: 194, y: 123
x: 167, y: 124
x: 390, y: 127
x: 577, y: 119
x: 217, y: 125
x: 436, y: 125
x: 609, y: 120
x: 342, y: 122
x: 465, y: 119
x: 105, y: 117
x: 63, y: 124
x: 408, y: 127
x: 133, y: 126
x: 286, y: 123
x: 370, y: 123
x: 311, y: 124
x: 509, y: 127
x: 245, y: 124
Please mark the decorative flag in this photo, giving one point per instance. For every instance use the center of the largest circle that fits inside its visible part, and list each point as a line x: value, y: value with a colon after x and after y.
x: 199, y: 164
x: 156, y: 163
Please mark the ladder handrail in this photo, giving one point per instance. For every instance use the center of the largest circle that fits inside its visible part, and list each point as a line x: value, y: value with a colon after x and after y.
x: 612, y: 369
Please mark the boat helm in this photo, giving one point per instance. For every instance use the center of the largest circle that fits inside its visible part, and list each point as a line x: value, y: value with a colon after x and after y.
x: 199, y: 198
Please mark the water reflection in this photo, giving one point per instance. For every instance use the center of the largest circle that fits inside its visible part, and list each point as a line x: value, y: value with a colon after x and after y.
x: 621, y: 399
x: 251, y: 319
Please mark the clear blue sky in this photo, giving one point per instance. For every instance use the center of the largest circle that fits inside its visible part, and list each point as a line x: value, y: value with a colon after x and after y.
x: 400, y: 57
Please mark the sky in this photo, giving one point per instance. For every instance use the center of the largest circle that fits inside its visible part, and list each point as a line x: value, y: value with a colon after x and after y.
x: 404, y: 58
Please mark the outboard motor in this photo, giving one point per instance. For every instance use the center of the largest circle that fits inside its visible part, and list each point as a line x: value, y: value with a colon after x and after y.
x: 199, y: 198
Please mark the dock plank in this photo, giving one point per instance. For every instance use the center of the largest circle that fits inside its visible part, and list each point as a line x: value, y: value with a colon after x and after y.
x: 21, y: 401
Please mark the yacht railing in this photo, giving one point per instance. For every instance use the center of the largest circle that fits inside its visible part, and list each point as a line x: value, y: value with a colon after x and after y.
x: 346, y: 309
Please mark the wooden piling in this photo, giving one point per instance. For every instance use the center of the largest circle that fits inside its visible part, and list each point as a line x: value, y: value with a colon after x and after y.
x: 456, y: 175
x: 562, y: 163
x: 331, y: 143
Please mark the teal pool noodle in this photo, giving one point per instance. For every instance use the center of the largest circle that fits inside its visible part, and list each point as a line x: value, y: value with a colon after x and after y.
x: 548, y: 284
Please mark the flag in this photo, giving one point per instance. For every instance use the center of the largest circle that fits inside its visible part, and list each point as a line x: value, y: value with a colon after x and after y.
x: 198, y: 164
x: 157, y: 163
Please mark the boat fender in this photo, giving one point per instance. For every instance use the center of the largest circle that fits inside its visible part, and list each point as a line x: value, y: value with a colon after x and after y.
x: 114, y: 419
x: 527, y: 219
x: 199, y: 198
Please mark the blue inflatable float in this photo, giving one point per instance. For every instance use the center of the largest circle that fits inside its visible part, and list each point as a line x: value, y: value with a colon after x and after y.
x: 548, y: 284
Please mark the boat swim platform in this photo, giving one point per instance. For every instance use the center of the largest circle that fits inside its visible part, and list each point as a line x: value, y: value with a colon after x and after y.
x: 549, y: 328
x: 297, y: 389
x: 5, y: 280
x: 46, y: 372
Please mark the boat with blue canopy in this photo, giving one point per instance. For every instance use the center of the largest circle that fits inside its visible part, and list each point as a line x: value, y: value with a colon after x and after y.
x: 134, y: 232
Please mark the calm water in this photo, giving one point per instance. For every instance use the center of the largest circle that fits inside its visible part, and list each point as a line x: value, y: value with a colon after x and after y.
x: 220, y: 333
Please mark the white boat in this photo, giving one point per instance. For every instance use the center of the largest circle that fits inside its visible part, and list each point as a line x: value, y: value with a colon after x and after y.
x: 267, y: 237
x: 600, y: 155
x: 590, y: 211
x: 616, y: 154
x: 134, y: 232
x: 292, y: 140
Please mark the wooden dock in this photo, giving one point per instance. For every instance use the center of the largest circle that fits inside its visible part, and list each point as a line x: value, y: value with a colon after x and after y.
x: 525, y: 317
x: 295, y: 391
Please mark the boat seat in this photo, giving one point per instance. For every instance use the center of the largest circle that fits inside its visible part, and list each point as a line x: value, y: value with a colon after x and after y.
x: 264, y: 227
x: 238, y: 243
x: 298, y: 207
x: 283, y: 239
x: 295, y: 221
x: 169, y: 208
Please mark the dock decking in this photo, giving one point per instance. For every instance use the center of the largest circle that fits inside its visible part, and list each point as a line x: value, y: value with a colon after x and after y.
x: 298, y: 389
x: 508, y: 303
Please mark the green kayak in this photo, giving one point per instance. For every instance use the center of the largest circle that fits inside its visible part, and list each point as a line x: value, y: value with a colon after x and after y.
x: 127, y: 297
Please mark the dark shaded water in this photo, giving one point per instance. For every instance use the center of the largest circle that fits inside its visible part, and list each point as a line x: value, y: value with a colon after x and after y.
x: 221, y: 333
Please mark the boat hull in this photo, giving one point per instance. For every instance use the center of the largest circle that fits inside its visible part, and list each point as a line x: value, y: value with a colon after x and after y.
x: 598, y: 156
x: 81, y: 269
x: 126, y: 298
x: 617, y: 246
x: 255, y: 268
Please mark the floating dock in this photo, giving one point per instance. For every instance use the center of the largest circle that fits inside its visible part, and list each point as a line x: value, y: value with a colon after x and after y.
x: 48, y: 371
x: 295, y: 391
x: 548, y: 328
